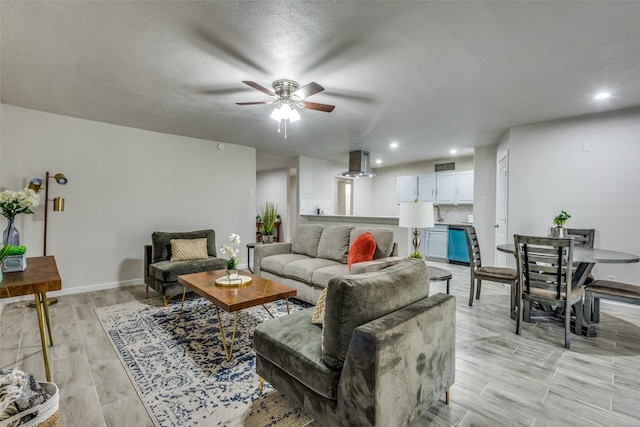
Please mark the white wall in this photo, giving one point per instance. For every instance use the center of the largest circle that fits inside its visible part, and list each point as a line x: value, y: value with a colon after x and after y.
x: 124, y: 183
x: 273, y: 186
x: 484, y: 206
x: 317, y: 184
x: 587, y: 166
x: 364, y: 198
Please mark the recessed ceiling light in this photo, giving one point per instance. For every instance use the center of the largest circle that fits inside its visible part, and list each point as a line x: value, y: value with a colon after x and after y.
x: 393, y: 145
x: 378, y: 161
x: 453, y: 151
x: 602, y: 95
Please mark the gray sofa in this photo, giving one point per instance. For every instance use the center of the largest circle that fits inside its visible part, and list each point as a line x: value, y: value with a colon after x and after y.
x: 316, y: 254
x: 162, y: 275
x: 385, y: 353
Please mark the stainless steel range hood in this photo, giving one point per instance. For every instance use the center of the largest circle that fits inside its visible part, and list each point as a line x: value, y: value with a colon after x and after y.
x: 358, y: 165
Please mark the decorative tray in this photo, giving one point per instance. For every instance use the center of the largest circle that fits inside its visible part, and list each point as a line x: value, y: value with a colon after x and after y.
x: 235, y: 280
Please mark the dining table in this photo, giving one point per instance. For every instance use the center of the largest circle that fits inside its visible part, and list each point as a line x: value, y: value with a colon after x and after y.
x: 586, y: 259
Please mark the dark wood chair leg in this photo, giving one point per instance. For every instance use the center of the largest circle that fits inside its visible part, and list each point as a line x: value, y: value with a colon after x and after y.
x: 478, y: 285
x: 596, y: 310
x: 471, y: 291
x: 579, y: 313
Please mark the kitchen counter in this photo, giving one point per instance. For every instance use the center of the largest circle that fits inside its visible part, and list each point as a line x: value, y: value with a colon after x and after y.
x: 455, y: 224
x: 388, y: 220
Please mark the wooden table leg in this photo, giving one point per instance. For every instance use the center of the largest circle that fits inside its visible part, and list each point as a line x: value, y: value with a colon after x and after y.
x: 41, y: 299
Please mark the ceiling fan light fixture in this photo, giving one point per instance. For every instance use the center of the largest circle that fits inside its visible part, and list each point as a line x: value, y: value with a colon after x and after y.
x: 277, y: 114
x: 294, y: 116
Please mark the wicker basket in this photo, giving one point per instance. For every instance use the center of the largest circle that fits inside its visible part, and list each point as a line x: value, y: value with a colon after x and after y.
x: 48, y: 414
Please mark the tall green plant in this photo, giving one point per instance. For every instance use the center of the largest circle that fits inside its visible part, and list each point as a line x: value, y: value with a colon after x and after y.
x: 269, y: 219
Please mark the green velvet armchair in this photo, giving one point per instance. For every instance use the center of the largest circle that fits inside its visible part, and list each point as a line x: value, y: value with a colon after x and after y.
x: 161, y: 274
x: 384, y: 355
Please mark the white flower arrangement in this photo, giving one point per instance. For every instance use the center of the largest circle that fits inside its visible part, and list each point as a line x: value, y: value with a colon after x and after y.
x: 17, y: 202
x: 232, y: 251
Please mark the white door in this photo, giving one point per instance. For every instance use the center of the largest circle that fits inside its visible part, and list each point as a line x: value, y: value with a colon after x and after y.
x: 502, y: 195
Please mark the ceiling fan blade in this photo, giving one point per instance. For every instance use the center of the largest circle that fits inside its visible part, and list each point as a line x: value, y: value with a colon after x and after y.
x: 308, y: 90
x: 319, y: 107
x: 254, y: 103
x: 259, y: 87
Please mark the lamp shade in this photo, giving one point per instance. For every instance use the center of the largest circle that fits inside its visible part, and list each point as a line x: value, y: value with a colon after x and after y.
x: 416, y: 215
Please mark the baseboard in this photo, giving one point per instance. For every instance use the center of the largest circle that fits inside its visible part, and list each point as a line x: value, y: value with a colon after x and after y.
x: 76, y: 290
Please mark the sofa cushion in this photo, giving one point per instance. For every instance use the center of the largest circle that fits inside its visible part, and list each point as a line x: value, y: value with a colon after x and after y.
x: 294, y: 344
x: 161, y: 242
x: 334, y: 243
x: 305, y: 240
x: 355, y: 300
x: 275, y: 263
x: 303, y: 269
x: 167, y: 271
x: 383, y: 237
x: 322, y: 276
x: 188, y: 249
x: 362, y: 249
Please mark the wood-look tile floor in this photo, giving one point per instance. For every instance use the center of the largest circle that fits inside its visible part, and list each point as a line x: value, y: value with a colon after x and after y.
x: 502, y: 379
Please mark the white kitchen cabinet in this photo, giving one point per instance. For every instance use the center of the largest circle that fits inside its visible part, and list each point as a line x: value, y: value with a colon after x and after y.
x: 464, y: 192
x: 442, y: 188
x: 407, y: 188
x: 437, y: 242
x: 427, y: 188
x: 446, y: 188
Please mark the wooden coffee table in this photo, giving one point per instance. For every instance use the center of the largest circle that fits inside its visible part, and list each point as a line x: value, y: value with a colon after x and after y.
x: 234, y: 298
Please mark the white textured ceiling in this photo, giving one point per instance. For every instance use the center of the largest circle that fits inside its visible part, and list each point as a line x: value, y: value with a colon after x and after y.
x: 431, y: 75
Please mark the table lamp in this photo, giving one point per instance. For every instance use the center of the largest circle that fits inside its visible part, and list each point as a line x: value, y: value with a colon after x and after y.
x: 416, y: 215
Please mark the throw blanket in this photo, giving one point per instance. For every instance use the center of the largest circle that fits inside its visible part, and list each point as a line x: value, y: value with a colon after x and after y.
x: 19, y: 392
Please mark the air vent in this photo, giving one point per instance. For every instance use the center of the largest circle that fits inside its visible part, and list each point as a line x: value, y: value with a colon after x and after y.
x: 445, y: 167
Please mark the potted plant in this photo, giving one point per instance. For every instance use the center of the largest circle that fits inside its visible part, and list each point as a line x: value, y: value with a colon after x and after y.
x: 268, y: 222
x: 559, y: 221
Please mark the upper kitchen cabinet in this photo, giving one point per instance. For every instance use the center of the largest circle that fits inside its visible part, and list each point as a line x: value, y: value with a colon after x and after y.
x: 464, y: 193
x: 446, y: 183
x: 446, y: 188
x: 427, y: 188
x: 407, y: 188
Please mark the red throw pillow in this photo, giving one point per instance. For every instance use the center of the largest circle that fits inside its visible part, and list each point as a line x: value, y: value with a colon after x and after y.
x: 362, y: 249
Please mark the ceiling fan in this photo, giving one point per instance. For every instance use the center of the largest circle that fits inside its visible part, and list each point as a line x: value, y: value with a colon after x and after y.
x: 288, y: 94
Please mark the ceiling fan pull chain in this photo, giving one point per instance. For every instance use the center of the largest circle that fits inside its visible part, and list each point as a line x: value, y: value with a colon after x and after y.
x: 279, y: 126
x: 285, y: 129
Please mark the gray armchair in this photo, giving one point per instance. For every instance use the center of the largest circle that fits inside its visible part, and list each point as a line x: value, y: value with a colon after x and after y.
x: 162, y: 274
x: 385, y: 353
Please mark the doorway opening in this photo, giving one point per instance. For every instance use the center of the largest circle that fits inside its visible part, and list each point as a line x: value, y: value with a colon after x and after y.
x: 345, y: 197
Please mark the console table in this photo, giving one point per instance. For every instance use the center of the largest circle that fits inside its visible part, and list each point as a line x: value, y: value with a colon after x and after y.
x: 41, y: 276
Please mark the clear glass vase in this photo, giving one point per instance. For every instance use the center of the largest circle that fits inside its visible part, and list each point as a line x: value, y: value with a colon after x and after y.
x: 11, y: 235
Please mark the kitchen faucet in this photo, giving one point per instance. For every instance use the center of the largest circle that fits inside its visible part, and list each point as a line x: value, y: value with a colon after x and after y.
x: 436, y: 210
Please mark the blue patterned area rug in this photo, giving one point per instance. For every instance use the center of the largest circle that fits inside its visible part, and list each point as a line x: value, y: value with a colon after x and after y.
x: 179, y: 369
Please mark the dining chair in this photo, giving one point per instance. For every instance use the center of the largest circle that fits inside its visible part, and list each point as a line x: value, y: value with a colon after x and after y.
x: 480, y: 272
x: 545, y: 270
x: 582, y: 236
